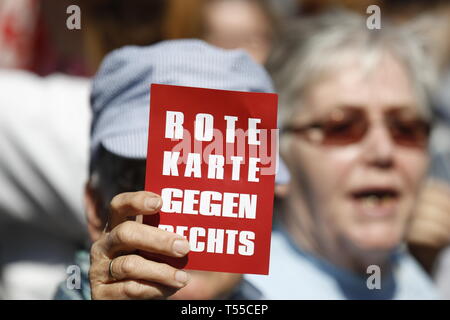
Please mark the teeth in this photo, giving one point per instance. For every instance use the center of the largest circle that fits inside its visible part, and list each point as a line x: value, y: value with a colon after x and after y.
x: 373, y: 200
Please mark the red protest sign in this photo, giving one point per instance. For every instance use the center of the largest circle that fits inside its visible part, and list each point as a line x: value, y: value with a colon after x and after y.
x: 211, y: 157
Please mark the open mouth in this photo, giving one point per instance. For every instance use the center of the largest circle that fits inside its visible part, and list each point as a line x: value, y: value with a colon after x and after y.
x: 376, y: 201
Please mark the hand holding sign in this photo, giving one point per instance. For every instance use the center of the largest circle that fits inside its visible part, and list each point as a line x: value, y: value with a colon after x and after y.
x: 117, y: 272
x: 131, y: 276
x: 219, y: 195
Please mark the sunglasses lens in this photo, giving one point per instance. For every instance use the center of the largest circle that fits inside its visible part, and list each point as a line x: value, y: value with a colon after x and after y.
x: 410, y: 133
x: 345, y: 126
x: 349, y: 125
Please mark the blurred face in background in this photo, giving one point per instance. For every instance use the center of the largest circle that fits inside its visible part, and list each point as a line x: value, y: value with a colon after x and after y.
x: 355, y: 182
x: 242, y: 24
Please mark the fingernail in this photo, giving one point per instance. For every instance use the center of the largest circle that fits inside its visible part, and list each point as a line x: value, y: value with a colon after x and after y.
x: 181, y: 276
x: 152, y: 203
x: 181, y: 247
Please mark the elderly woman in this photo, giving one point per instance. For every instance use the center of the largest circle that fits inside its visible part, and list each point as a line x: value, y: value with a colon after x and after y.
x: 355, y: 124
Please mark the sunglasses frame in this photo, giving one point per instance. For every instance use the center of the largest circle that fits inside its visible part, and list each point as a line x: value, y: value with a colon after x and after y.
x: 389, y: 123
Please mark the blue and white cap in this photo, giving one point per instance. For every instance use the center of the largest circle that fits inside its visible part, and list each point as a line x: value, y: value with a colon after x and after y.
x: 120, y: 97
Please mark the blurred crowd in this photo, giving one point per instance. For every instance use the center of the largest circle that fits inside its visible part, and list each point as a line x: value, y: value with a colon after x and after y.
x: 316, y: 52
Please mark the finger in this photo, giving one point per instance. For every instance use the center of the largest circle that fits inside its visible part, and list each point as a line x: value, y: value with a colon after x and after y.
x: 135, y: 267
x: 433, y: 212
x: 429, y: 233
x: 439, y: 198
x: 130, y: 204
x: 131, y: 236
x: 99, y: 262
x: 131, y: 290
x: 431, y: 226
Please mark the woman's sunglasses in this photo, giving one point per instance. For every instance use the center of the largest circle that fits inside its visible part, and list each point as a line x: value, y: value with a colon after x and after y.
x: 349, y: 125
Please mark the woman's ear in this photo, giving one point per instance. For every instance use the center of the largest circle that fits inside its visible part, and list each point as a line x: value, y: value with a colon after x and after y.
x: 93, y: 212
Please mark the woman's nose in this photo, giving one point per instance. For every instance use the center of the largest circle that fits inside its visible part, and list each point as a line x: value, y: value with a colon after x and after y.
x: 379, y: 148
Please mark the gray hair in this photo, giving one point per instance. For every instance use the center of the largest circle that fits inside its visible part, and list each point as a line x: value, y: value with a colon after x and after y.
x: 312, y: 48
